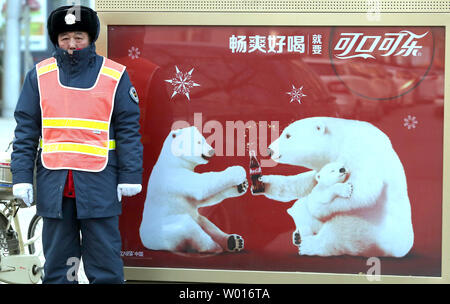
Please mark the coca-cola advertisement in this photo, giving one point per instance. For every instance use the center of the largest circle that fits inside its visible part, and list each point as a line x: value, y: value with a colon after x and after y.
x: 293, y: 149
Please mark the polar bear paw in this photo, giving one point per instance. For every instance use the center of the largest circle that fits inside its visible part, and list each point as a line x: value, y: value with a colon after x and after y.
x: 307, y: 247
x: 345, y: 190
x: 235, y: 243
x: 271, y: 179
x: 237, y: 174
x: 242, y: 188
x: 296, y: 239
x: 314, y: 245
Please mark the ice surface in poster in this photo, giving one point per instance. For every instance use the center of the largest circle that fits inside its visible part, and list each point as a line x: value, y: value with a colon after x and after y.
x: 347, y: 126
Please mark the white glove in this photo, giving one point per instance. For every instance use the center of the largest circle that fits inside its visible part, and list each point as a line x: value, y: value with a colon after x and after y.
x: 24, y: 191
x: 127, y: 190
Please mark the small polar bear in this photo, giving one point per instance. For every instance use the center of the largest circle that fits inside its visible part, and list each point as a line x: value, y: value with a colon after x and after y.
x: 376, y: 219
x: 170, y: 219
x: 330, y: 184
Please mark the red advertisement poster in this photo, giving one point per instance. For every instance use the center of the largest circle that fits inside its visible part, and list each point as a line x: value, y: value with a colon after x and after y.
x: 297, y: 149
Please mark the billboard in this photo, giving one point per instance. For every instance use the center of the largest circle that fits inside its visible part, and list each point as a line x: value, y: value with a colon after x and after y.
x: 347, y: 126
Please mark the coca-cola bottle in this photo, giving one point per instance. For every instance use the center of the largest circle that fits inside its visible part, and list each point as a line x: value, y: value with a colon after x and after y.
x: 255, y: 174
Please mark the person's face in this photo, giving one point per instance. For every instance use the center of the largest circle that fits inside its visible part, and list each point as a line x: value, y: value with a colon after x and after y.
x: 71, y: 41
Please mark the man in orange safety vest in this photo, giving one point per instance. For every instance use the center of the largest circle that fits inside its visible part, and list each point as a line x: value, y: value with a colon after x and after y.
x: 80, y: 112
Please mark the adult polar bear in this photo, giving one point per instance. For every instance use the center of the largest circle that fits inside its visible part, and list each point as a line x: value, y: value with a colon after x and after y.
x: 170, y: 219
x: 379, y: 199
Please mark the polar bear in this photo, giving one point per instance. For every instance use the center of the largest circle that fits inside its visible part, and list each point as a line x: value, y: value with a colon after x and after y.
x: 379, y: 205
x: 330, y: 184
x: 170, y: 219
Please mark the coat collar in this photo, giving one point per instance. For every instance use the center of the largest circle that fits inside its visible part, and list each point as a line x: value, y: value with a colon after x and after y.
x: 79, y: 60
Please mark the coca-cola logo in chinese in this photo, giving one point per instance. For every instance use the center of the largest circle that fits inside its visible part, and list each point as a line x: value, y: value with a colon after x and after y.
x: 403, y: 43
x: 381, y: 63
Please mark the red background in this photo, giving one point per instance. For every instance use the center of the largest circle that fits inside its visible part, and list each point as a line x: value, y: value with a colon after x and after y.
x: 253, y: 87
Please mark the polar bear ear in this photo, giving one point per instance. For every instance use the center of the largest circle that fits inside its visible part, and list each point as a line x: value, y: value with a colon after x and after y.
x: 175, y: 133
x: 317, y: 177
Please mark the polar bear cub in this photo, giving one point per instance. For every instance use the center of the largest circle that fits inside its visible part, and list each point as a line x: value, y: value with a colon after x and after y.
x: 330, y: 184
x: 170, y: 219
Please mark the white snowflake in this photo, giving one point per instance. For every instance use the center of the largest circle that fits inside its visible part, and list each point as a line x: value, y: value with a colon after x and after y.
x: 182, y: 83
x: 134, y: 52
x: 296, y: 94
x: 410, y: 122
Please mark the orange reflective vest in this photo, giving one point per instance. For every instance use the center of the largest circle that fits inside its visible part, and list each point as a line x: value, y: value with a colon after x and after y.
x: 75, y: 121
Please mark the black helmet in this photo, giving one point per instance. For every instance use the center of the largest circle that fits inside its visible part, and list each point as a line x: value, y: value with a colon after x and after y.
x: 73, y: 18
